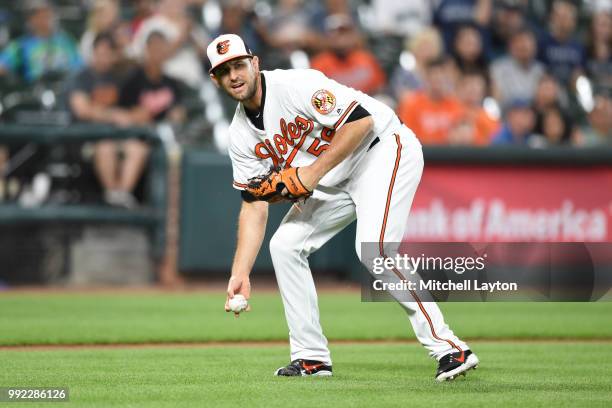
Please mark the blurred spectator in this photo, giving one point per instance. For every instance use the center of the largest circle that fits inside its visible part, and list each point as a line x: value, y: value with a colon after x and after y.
x: 188, y: 41
x: 599, y: 128
x: 477, y: 126
x: 143, y: 9
x: 537, y: 12
x: 433, y: 112
x: 94, y: 92
x: 549, y: 94
x: 449, y: 15
x: 119, y: 176
x: 346, y: 62
x: 551, y: 99
x: 552, y: 128
x: 338, y: 7
x: 549, y: 115
x: 401, y: 18
x: 423, y: 48
x: 508, y: 18
x: 44, y: 50
x: 517, y: 75
x: 320, y: 11
x: 561, y: 53
x: 468, y: 49
x: 93, y: 97
x: 518, y: 125
x: 462, y: 133
x: 555, y: 128
x: 289, y: 27
x: 236, y: 19
x: 599, y: 64
x: 149, y: 94
x: 104, y: 17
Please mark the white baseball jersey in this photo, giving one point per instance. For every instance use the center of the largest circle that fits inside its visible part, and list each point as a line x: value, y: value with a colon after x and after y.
x: 302, y: 111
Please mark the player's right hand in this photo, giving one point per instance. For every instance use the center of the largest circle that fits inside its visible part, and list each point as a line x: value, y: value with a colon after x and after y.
x: 238, y: 285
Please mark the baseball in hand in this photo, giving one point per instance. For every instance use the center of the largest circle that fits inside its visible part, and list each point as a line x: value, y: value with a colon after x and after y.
x: 238, y: 303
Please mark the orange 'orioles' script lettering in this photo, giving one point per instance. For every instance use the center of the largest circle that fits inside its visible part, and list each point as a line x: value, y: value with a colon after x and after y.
x: 290, y: 140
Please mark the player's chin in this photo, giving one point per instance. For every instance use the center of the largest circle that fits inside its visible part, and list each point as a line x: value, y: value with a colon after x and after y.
x: 240, y: 96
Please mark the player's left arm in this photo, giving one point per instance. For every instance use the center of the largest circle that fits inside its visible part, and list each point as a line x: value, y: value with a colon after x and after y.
x: 337, y: 109
x: 346, y: 140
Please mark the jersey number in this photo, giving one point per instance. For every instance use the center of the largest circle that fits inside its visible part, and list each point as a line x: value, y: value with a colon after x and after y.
x: 316, y: 148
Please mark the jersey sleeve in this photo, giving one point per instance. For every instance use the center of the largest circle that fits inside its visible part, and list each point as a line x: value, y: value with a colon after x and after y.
x: 244, y: 165
x: 324, y: 100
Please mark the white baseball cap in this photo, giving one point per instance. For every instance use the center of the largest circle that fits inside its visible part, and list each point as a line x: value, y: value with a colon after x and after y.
x: 226, y: 47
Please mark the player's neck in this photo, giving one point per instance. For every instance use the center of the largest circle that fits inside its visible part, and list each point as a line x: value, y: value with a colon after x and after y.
x: 254, y: 103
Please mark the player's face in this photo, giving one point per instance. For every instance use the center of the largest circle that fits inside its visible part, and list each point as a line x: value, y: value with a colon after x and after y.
x: 238, y: 78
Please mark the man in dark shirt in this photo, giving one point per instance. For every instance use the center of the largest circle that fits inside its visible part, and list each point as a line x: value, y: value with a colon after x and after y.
x: 147, y: 97
x: 93, y: 93
x: 93, y: 97
x: 149, y: 94
x: 558, y: 50
x: 450, y: 15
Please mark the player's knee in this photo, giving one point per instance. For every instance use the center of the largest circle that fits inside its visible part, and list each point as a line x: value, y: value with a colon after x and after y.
x: 358, y: 250
x: 362, y: 254
x: 288, y: 242
x: 370, y: 256
x: 280, y: 244
x: 366, y: 249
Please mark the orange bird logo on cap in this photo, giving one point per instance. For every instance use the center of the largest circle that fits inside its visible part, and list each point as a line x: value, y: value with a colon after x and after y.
x: 223, y: 47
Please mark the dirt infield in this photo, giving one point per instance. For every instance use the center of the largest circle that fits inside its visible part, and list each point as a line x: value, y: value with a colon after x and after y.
x: 242, y: 344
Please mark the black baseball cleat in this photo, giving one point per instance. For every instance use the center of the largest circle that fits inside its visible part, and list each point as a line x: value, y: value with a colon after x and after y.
x: 453, y: 365
x: 304, y: 368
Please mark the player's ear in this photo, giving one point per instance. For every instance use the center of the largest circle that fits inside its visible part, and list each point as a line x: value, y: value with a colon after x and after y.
x: 214, y: 79
x: 255, y: 62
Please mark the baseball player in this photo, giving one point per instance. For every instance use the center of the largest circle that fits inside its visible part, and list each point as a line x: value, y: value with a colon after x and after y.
x: 340, y: 155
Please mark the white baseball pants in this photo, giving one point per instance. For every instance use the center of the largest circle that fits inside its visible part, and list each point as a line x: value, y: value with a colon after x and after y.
x: 379, y: 195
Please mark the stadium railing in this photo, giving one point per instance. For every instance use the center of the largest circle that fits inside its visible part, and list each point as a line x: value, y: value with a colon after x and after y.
x: 151, y: 215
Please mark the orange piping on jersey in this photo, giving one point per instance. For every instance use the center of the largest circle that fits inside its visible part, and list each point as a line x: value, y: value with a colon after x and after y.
x: 237, y: 184
x: 348, y: 111
x: 398, y: 273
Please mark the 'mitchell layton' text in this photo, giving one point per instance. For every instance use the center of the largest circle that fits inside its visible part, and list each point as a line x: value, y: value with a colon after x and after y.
x: 436, y: 285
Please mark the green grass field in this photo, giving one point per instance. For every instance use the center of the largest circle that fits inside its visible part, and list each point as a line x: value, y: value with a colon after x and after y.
x: 532, y: 354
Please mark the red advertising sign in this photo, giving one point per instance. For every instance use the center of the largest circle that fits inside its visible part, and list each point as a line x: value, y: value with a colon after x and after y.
x: 512, y: 204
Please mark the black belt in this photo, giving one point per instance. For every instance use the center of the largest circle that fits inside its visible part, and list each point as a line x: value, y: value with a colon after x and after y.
x: 376, y: 140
